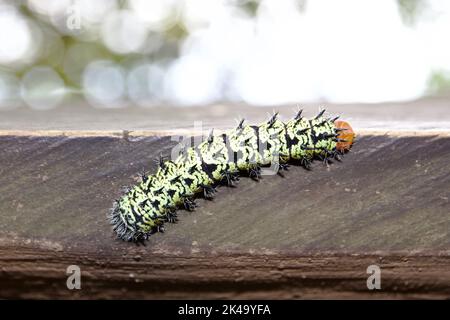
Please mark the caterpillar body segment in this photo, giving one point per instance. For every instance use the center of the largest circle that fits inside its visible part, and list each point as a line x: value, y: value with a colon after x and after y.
x: 221, y: 158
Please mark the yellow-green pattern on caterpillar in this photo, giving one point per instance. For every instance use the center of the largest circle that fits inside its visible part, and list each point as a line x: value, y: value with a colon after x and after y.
x: 144, y: 208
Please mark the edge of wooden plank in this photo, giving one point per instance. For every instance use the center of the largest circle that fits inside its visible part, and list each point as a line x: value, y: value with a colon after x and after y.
x: 189, y: 132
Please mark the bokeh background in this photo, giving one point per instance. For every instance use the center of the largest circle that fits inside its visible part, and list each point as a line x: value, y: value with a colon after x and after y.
x: 113, y: 54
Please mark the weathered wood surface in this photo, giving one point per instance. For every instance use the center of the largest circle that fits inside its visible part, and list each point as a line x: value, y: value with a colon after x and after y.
x: 310, y: 234
x: 424, y: 114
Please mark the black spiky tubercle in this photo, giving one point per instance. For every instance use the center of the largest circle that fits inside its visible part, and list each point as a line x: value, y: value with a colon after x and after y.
x: 220, y: 159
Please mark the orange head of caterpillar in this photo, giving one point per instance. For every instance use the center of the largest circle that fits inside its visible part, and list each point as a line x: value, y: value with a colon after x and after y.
x: 346, y: 135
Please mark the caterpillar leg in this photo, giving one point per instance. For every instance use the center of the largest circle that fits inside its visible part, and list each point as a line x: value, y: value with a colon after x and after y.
x: 255, y: 172
x: 306, y: 163
x: 208, y: 191
x: 171, y: 215
x: 143, y: 175
x: 282, y: 167
x: 337, y: 155
x: 325, y: 159
x: 189, y: 204
x: 230, y: 177
x: 142, y: 237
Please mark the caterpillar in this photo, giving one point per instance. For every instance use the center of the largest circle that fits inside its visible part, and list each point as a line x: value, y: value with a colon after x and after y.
x: 221, y: 159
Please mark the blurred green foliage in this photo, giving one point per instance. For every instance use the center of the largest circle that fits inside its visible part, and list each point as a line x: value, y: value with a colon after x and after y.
x: 68, y: 53
x: 439, y: 83
x: 250, y: 7
x: 411, y: 10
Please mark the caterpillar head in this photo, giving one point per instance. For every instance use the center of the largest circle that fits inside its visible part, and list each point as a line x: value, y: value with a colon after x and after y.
x: 346, y: 135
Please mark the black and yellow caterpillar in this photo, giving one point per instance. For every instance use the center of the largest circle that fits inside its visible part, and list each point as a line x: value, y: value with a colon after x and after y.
x: 221, y: 158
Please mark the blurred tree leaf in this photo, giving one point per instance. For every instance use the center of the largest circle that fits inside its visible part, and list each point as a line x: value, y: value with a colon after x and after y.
x: 438, y: 82
x: 176, y: 31
x: 248, y: 7
x: 411, y: 10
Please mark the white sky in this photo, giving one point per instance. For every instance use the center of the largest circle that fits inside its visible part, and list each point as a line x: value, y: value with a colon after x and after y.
x: 341, y: 51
